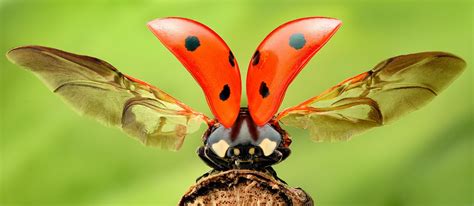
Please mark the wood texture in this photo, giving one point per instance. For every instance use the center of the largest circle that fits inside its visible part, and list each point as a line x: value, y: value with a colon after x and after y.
x: 243, y: 187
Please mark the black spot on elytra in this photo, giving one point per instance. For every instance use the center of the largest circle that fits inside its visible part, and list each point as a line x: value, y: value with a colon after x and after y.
x: 225, y: 93
x: 297, y: 41
x: 264, y: 90
x: 191, y: 43
x: 231, y: 59
x: 256, y: 58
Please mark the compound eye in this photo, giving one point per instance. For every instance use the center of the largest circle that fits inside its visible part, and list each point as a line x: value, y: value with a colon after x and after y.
x: 236, y: 151
x: 252, y: 151
x: 220, y: 148
x: 268, y: 146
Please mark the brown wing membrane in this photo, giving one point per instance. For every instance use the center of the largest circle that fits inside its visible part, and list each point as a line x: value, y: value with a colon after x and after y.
x: 95, y: 88
x: 393, y: 88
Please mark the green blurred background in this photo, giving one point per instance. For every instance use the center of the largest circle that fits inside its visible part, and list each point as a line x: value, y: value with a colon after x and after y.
x: 51, y: 156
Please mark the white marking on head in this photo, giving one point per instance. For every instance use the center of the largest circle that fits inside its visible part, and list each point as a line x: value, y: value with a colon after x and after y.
x: 220, y: 148
x: 267, y: 146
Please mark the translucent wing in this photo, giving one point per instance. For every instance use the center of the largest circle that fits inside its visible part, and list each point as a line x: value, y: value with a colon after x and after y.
x: 208, y: 58
x: 95, y: 88
x: 279, y: 58
x: 393, y: 88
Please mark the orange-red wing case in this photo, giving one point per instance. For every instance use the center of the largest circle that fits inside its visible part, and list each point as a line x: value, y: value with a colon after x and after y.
x: 279, y: 58
x: 208, y: 58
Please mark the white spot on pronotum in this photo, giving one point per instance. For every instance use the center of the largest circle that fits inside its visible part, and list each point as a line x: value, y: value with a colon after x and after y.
x: 267, y: 146
x: 220, y: 148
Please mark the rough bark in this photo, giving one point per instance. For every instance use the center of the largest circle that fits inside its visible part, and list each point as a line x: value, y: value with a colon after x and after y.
x: 243, y: 187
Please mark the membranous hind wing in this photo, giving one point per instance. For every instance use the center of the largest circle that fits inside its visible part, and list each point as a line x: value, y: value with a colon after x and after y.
x: 95, y: 88
x: 390, y: 90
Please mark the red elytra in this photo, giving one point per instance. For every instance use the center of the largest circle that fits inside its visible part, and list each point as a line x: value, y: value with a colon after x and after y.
x: 208, y: 58
x: 276, y: 62
x: 279, y: 58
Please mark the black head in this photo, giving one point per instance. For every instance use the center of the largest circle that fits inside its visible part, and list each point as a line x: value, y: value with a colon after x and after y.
x: 245, y: 144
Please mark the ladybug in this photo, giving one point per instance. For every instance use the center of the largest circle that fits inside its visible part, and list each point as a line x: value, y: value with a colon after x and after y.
x: 242, y: 137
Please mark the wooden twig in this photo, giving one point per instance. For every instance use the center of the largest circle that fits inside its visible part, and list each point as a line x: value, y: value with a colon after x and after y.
x: 243, y: 187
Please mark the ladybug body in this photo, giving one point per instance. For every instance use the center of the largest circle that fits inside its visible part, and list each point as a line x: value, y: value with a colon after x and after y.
x: 245, y: 145
x: 241, y: 138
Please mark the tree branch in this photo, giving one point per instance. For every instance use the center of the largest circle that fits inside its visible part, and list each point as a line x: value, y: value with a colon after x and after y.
x: 243, y: 187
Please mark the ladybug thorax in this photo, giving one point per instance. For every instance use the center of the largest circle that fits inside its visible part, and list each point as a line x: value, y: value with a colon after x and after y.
x: 244, y: 139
